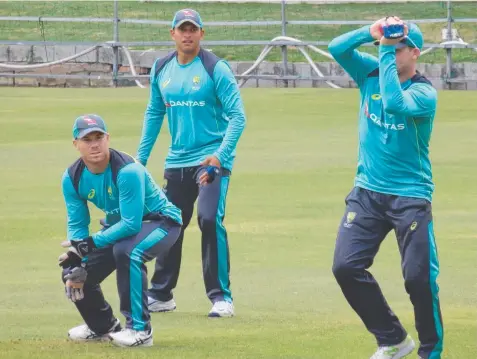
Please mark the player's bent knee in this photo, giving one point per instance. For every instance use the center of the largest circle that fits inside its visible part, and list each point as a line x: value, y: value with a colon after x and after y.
x: 344, y: 270
x: 417, y: 284
x: 207, y: 223
x: 186, y: 218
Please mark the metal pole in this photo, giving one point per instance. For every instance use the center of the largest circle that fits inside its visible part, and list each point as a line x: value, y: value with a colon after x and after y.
x: 115, y: 40
x: 284, y: 47
x: 449, y: 38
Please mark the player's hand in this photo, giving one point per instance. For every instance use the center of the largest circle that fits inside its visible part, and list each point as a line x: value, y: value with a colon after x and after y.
x: 212, y: 165
x: 392, y: 21
x: 74, y: 283
x: 376, y: 29
x: 83, y: 247
x: 103, y: 223
x: 69, y: 259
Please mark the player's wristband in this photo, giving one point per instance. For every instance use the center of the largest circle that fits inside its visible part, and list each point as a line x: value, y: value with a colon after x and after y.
x: 394, y: 31
x: 85, y: 246
x: 212, y: 171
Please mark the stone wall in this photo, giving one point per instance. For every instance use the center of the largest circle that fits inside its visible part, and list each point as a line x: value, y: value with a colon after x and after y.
x: 99, y: 63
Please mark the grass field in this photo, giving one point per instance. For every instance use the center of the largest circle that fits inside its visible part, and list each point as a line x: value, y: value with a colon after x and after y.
x: 212, y: 12
x: 296, y: 163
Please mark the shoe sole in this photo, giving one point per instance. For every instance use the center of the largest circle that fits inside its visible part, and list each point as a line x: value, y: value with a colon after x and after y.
x: 104, y: 338
x: 217, y: 315
x: 404, y: 352
x: 148, y: 343
x: 165, y: 310
x: 154, y: 308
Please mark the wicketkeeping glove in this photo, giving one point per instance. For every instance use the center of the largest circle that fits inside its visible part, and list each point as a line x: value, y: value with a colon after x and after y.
x: 74, y: 283
x: 69, y: 259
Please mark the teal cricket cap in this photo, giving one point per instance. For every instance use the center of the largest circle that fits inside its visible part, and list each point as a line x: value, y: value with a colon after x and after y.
x: 187, y: 15
x: 414, y: 37
x: 86, y: 124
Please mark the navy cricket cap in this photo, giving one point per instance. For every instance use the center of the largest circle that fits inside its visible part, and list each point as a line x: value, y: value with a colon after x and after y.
x: 86, y: 124
x: 187, y: 15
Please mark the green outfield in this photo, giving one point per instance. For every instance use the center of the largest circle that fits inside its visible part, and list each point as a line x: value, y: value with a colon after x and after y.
x: 296, y: 163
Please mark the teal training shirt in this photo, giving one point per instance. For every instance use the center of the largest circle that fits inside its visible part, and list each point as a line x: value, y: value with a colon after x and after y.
x: 205, y: 115
x: 125, y: 205
x: 395, y: 119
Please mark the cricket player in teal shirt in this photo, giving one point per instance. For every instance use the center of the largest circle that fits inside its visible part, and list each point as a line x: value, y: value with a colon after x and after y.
x: 206, y: 117
x: 140, y: 224
x: 393, y: 188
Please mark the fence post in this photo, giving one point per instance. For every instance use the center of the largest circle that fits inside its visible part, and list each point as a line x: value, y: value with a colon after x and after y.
x: 449, y: 38
x: 115, y: 47
x: 284, y: 47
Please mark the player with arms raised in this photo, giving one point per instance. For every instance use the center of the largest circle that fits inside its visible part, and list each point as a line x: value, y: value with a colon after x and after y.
x: 393, y: 186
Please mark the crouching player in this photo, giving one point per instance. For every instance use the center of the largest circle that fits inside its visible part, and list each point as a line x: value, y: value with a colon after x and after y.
x: 140, y: 225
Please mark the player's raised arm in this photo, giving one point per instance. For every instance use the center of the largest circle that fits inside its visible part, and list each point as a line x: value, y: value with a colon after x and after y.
x: 419, y: 100
x: 344, y: 50
x: 153, y: 119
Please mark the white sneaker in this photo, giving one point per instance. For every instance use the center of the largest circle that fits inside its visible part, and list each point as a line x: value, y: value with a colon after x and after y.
x: 132, y: 338
x: 395, y: 351
x: 222, y: 309
x: 82, y: 333
x: 158, y: 306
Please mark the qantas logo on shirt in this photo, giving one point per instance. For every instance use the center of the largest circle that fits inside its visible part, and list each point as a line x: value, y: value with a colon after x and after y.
x: 185, y: 103
x: 113, y: 211
x: 377, y: 121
